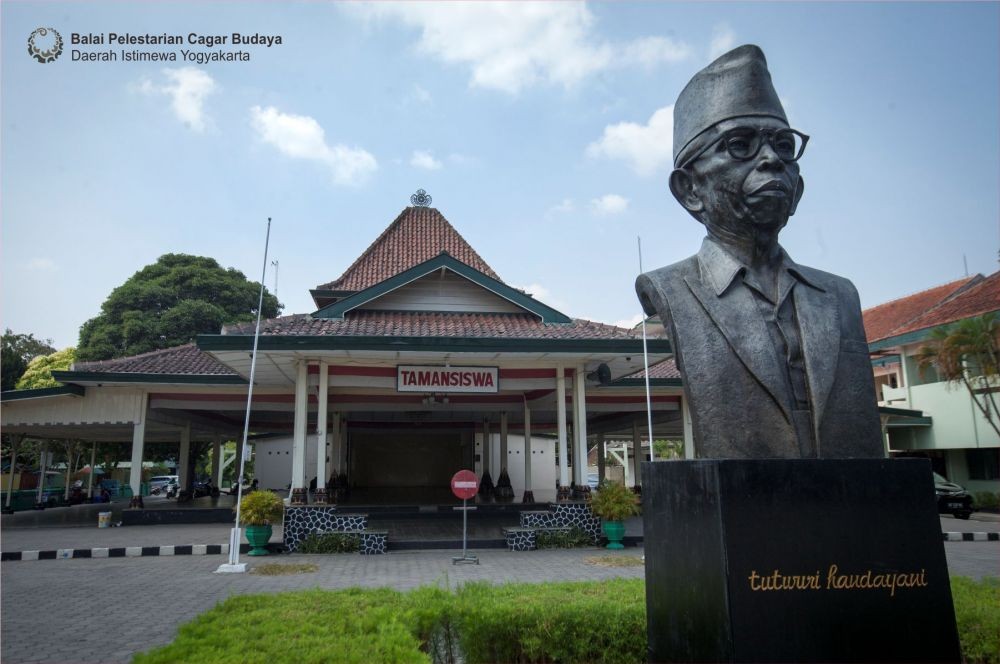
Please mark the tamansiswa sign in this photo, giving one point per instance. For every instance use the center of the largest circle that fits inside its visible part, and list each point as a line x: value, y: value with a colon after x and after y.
x: 410, y: 378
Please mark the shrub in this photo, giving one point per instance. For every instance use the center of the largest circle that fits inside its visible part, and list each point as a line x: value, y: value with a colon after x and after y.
x: 554, y: 622
x: 562, y: 539
x: 330, y: 543
x: 986, y: 500
x: 613, y: 502
x: 977, y: 612
x: 540, y: 623
x: 261, y: 508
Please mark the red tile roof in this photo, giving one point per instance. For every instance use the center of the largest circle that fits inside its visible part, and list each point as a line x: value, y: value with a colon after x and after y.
x: 665, y: 369
x: 434, y: 324
x: 979, y: 298
x: 186, y: 359
x: 886, y: 320
x: 417, y: 235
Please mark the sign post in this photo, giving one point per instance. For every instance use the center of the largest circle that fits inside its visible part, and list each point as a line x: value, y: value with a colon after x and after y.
x: 465, y: 485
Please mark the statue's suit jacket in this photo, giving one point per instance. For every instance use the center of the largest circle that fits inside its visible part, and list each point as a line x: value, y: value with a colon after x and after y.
x: 732, y: 374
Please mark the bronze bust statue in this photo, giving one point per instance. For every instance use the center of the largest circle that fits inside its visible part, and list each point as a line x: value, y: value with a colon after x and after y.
x: 773, y: 354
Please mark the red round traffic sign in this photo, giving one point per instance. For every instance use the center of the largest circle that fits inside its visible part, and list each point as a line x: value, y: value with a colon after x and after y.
x: 464, y: 484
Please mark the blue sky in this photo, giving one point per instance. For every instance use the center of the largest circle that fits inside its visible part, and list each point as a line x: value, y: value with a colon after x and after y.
x: 542, y: 131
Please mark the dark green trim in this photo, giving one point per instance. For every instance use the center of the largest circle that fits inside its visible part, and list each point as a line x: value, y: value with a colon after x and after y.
x: 113, y: 377
x: 224, y: 342
x: 339, y: 308
x: 641, y: 382
x: 882, y: 361
x: 41, y: 392
x: 900, y: 412
x: 911, y: 422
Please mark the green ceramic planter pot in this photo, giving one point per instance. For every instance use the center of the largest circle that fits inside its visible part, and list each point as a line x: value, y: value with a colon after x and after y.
x: 614, y: 531
x: 258, y: 536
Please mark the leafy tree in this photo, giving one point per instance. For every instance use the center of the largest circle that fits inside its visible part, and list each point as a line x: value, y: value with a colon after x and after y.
x: 16, y: 352
x: 968, y: 353
x: 39, y: 372
x: 169, y: 302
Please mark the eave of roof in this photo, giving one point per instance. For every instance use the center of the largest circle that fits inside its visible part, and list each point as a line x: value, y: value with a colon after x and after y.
x: 444, y: 260
x: 43, y: 393
x: 226, y: 342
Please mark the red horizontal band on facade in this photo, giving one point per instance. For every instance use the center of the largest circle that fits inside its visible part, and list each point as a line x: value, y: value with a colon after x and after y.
x: 200, y: 396
x: 390, y: 372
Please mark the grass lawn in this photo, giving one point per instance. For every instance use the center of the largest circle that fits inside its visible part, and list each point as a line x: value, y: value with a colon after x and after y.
x: 598, y: 621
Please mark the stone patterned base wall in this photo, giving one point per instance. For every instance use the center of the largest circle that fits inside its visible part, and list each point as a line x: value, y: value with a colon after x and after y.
x: 520, y: 539
x: 300, y: 522
x: 565, y: 515
x: 373, y: 542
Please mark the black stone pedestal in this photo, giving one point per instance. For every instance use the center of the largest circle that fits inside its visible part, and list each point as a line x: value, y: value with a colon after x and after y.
x: 795, y: 561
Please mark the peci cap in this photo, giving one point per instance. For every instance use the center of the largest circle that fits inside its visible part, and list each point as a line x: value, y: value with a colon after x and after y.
x: 735, y: 84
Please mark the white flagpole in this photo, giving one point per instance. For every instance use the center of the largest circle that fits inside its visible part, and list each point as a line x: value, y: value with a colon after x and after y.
x: 235, y: 536
x: 645, y: 360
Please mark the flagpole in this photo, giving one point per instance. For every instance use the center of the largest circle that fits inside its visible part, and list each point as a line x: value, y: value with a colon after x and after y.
x: 645, y: 360
x: 235, y: 535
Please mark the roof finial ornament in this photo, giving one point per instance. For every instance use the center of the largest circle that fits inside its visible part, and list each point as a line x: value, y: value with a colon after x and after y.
x: 421, y: 198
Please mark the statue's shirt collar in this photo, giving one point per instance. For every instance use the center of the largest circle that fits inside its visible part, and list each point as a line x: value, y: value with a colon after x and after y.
x: 720, y: 269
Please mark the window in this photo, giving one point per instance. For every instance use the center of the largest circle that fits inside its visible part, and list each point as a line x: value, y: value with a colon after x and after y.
x: 983, y: 464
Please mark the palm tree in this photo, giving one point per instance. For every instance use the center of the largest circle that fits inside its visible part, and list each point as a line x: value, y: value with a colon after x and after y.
x: 968, y: 353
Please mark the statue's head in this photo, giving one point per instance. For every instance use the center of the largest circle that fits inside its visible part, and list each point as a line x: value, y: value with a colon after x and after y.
x: 735, y: 157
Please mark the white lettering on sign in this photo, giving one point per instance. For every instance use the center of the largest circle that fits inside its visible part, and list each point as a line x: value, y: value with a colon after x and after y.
x: 466, y: 485
x: 447, y: 379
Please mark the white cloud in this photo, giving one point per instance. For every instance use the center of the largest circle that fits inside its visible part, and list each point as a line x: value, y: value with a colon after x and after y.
x: 512, y: 45
x: 646, y: 148
x: 187, y: 88
x: 651, y: 51
x: 723, y: 40
x: 40, y: 264
x: 425, y: 160
x: 564, y: 207
x: 609, y: 204
x: 629, y: 322
x: 301, y: 137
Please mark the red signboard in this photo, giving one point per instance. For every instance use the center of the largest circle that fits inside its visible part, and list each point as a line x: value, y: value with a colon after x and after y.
x: 464, y: 484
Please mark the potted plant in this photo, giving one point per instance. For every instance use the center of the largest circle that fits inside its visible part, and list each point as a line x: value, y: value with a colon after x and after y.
x: 258, y: 510
x: 613, y: 503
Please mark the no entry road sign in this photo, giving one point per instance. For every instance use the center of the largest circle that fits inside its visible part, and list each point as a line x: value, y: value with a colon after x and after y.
x: 464, y: 484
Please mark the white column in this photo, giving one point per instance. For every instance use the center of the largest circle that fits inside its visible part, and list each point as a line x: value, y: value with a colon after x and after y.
x: 580, y: 425
x: 689, y: 451
x: 636, y: 453
x: 93, y: 471
x: 138, y: 442
x: 299, y: 428
x: 337, y: 444
x: 215, y: 472
x: 42, y: 467
x: 217, y: 461
x: 487, y: 460
x: 503, y: 441
x: 324, y: 388
x: 184, y: 458
x: 527, y: 448
x: 561, y: 425
x: 15, y: 442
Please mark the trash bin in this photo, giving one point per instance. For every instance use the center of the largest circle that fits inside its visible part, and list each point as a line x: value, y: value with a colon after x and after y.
x: 104, y: 519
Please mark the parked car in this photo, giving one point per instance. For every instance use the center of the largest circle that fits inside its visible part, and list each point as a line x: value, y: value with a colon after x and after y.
x: 952, y: 498
x: 160, y: 482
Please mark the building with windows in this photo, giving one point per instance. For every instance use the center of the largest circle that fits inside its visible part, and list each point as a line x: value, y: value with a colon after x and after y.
x: 924, y: 414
